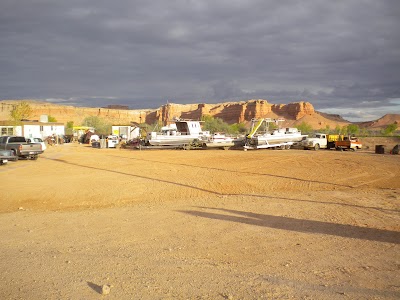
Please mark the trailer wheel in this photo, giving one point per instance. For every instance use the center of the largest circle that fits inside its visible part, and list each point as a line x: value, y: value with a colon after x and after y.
x: 282, y: 147
x: 287, y: 147
x: 316, y: 147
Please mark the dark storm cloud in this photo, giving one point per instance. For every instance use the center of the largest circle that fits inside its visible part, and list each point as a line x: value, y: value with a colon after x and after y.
x: 335, y: 54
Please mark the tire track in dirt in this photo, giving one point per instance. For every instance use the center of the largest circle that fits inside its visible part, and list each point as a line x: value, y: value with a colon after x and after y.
x: 243, y: 172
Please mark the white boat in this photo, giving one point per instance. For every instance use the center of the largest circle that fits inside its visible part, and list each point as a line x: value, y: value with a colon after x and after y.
x: 182, y: 132
x: 282, y: 138
x: 219, y: 140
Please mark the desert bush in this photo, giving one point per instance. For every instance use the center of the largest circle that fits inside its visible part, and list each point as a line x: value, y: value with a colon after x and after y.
x: 51, y: 119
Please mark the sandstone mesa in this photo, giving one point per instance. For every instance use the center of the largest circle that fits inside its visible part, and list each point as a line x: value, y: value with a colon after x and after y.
x: 231, y: 112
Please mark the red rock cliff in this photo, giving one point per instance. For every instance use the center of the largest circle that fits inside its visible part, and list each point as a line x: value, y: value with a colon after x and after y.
x: 230, y: 112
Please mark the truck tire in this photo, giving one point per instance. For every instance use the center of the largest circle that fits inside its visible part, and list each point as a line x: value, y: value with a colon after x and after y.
x: 316, y: 147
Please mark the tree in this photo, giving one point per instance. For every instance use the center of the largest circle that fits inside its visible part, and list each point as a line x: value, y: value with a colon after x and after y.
x: 215, y: 125
x: 21, y: 111
x: 100, y: 126
x: 326, y: 130
x: 305, y: 128
x: 337, y: 130
x: 343, y: 130
x: 353, y: 129
x: 69, y: 128
x: 364, y: 132
x: 390, y: 129
x: 70, y: 124
x: 238, y: 128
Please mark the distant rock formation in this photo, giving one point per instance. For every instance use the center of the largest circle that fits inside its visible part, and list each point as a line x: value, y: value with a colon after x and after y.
x: 236, y: 112
x: 230, y: 112
x: 382, y: 122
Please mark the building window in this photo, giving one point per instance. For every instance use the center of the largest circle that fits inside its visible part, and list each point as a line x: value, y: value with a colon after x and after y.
x: 41, y: 127
x: 7, y: 130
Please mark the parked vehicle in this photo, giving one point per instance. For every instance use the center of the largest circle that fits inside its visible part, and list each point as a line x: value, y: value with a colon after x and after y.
x: 331, y: 141
x: 348, y: 143
x: 112, y: 141
x: 6, y: 155
x: 94, y: 138
x: 38, y: 141
x: 20, y: 148
x: 321, y: 141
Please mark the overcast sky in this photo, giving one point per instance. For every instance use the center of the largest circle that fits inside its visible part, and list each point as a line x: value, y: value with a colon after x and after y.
x: 342, y: 56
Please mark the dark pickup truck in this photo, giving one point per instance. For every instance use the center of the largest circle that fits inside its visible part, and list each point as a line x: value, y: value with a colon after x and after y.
x: 19, y: 147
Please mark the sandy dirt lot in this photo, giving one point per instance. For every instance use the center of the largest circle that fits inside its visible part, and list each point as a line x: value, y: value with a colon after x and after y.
x: 175, y: 224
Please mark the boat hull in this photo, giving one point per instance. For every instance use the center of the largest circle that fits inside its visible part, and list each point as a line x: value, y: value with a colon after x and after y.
x: 171, y: 140
x: 269, y: 140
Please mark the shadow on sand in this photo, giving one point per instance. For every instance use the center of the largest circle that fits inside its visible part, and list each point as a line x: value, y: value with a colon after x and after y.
x: 299, y: 225
x: 95, y: 287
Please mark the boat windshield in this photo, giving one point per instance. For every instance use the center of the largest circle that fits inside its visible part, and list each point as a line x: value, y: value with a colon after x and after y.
x: 182, y: 127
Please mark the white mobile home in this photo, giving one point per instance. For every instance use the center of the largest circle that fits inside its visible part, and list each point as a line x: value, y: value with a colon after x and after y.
x: 31, y: 129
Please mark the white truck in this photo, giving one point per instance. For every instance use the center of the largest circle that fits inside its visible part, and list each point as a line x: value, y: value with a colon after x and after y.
x: 321, y: 141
